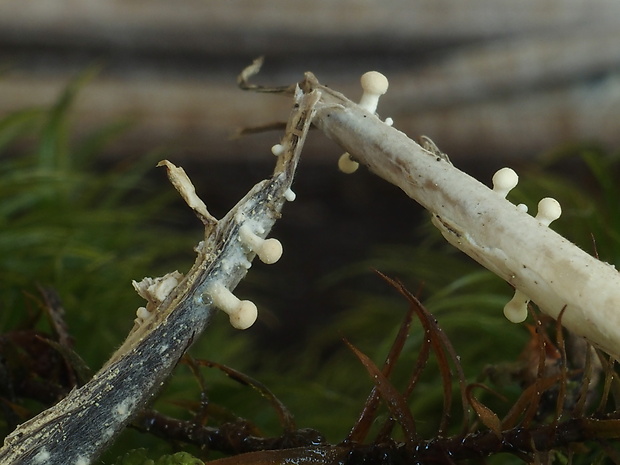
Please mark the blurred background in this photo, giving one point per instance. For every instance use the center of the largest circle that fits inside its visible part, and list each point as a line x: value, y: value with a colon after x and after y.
x: 485, y: 79
x: 532, y: 84
x: 492, y: 82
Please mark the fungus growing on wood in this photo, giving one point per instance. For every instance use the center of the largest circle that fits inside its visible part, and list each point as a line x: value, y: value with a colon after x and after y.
x: 277, y: 150
x: 504, y: 181
x: 268, y: 250
x: 516, y: 310
x: 549, y: 210
x: 374, y: 85
x: 346, y: 164
x: 242, y: 313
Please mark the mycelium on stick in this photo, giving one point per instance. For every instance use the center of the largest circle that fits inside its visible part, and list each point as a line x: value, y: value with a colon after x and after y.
x: 521, y: 249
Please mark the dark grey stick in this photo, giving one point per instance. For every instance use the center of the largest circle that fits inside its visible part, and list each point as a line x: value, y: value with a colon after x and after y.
x: 81, y: 426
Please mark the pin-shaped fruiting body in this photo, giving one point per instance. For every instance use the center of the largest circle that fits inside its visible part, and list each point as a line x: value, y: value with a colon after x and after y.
x: 346, y: 164
x: 289, y: 195
x: 516, y: 310
x: 268, y: 250
x: 242, y: 313
x: 549, y: 210
x: 278, y: 150
x: 142, y: 315
x: 504, y: 181
x: 374, y: 84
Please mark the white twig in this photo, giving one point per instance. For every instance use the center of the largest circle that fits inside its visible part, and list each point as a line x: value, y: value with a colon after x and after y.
x: 519, y: 248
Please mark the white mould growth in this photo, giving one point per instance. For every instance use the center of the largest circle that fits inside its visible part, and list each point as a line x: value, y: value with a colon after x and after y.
x: 122, y: 409
x: 42, y: 456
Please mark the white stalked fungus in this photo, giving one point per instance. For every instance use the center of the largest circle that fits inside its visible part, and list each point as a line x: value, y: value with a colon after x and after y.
x: 346, y: 164
x: 504, y: 181
x: 268, y: 250
x: 516, y: 309
x: 374, y: 85
x: 549, y: 210
x: 242, y: 313
x: 289, y: 195
x: 142, y: 314
x: 278, y: 150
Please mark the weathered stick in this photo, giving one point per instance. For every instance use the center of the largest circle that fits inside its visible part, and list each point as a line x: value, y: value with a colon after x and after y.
x: 521, y: 249
x: 82, y: 425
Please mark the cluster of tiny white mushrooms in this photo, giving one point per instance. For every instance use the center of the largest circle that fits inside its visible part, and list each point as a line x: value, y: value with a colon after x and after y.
x: 522, y: 249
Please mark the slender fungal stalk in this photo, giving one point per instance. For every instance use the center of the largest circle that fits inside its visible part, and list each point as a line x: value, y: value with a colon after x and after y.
x: 521, y: 249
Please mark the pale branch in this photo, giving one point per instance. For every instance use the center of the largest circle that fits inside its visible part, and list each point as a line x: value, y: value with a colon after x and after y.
x: 82, y: 425
x: 539, y: 263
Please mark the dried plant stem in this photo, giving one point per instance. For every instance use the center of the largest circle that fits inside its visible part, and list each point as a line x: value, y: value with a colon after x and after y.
x: 526, y: 253
x: 82, y: 425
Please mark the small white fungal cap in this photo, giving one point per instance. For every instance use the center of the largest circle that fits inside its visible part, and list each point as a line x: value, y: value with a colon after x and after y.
x: 143, y: 314
x: 242, y: 313
x: 346, y: 164
x: 549, y: 210
x: 245, y: 316
x: 268, y: 250
x: 289, y: 195
x: 375, y: 85
x: 516, y: 309
x: 277, y: 150
x: 504, y: 181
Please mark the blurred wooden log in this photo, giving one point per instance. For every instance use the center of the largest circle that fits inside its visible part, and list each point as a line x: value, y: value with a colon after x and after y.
x: 523, y: 77
x: 195, y: 24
